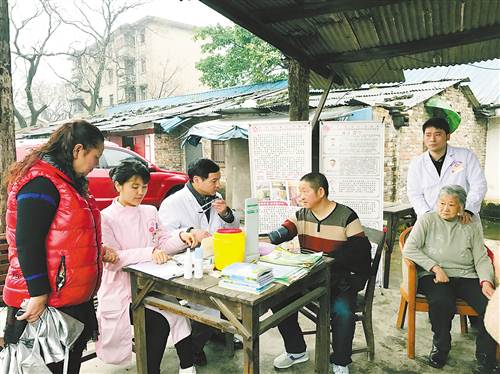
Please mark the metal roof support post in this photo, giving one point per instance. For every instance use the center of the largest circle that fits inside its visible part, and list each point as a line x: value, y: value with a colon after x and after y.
x: 315, y: 125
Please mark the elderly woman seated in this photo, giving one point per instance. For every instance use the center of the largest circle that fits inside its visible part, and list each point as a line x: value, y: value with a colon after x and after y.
x: 452, y: 263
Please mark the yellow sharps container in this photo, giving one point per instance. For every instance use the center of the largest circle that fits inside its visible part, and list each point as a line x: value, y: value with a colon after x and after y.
x: 229, y: 247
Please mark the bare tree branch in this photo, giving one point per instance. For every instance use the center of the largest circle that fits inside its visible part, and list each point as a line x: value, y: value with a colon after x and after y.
x: 98, y: 24
x: 33, y: 57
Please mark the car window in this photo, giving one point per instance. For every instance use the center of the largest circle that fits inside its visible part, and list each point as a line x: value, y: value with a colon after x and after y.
x: 112, y: 157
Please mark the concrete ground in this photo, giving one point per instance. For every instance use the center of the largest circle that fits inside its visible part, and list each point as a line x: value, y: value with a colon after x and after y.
x: 390, y: 345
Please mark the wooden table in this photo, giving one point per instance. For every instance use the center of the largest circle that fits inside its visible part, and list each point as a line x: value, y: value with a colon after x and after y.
x: 242, y: 310
x: 393, y: 213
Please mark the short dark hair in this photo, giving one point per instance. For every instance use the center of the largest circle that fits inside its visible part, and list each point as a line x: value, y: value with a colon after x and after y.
x: 127, y: 169
x: 316, y: 180
x: 438, y: 123
x: 202, y: 168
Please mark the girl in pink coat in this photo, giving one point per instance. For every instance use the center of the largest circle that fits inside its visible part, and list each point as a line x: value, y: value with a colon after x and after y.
x: 133, y: 231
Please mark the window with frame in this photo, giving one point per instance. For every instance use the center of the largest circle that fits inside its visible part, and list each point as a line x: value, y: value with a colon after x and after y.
x: 110, y: 76
x: 218, y: 152
x: 142, y: 92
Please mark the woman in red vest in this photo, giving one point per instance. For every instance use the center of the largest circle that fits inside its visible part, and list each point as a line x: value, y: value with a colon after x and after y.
x: 53, y: 231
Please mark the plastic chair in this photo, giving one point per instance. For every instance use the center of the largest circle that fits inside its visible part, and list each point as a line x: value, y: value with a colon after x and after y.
x: 364, y: 301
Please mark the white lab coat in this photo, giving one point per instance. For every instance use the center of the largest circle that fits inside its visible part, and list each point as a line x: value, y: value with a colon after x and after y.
x: 181, y: 211
x: 460, y: 166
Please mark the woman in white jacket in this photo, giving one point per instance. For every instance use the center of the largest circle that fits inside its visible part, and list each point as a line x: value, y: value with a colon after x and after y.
x: 133, y: 231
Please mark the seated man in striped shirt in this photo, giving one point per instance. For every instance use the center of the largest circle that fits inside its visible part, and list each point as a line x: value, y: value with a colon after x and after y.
x: 326, y: 226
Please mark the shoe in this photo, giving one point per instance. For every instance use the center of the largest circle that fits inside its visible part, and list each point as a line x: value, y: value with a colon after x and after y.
x: 337, y: 369
x: 190, y: 370
x: 285, y: 360
x: 485, y: 365
x: 437, y: 358
x: 238, y: 344
x: 199, y: 358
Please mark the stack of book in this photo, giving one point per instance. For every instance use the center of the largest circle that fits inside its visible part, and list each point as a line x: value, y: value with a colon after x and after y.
x: 288, y: 266
x: 253, y: 278
x: 286, y: 274
x: 281, y: 256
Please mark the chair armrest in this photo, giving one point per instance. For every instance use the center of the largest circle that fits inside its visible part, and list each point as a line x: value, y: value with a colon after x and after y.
x: 409, y: 283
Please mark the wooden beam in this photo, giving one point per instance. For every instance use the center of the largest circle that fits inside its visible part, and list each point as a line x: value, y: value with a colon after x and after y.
x: 410, y: 48
x: 315, y: 126
x: 142, y: 294
x: 317, y: 8
x: 195, y: 315
x: 239, y: 15
x: 282, y: 314
x: 231, y: 318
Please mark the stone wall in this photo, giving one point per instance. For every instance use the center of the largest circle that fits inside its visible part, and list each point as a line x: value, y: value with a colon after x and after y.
x: 403, y: 144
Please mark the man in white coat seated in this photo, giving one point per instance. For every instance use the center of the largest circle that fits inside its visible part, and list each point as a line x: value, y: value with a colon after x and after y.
x: 441, y: 165
x: 198, y: 208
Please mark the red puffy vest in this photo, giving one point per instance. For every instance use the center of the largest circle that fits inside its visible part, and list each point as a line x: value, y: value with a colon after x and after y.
x: 73, y: 244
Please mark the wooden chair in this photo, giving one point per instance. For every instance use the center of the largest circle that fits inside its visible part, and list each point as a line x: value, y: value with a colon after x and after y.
x: 365, y: 298
x: 413, y: 302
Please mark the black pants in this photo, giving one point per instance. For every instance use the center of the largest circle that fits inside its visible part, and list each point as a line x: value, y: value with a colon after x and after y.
x: 84, y: 313
x: 157, y: 331
x: 201, y: 335
x: 342, y: 323
x: 442, y: 306
x: 75, y: 356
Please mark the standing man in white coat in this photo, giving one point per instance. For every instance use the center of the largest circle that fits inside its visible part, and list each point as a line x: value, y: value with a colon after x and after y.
x: 200, y: 209
x: 441, y: 165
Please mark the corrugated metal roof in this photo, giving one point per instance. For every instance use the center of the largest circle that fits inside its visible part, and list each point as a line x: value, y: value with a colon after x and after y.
x: 372, y: 41
x: 484, y: 78
x: 197, y: 97
x: 405, y: 95
x: 272, y: 102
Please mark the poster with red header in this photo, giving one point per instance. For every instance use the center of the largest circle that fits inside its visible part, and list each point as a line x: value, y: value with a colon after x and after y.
x: 280, y: 154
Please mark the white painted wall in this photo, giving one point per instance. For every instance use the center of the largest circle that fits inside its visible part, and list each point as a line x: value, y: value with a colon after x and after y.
x: 492, y: 168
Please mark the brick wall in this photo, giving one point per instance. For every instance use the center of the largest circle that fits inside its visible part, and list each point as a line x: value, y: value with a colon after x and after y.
x: 403, y: 144
x: 168, y: 152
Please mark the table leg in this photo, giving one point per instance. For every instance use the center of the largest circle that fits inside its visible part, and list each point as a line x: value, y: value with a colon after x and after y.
x: 392, y: 223
x: 250, y: 320
x: 322, y: 348
x: 139, y: 330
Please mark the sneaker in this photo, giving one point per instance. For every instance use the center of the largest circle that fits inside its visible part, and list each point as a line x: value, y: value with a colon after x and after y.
x: 337, y: 369
x: 190, y: 370
x: 285, y: 360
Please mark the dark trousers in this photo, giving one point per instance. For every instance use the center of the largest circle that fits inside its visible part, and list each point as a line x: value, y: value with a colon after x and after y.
x: 83, y: 312
x: 342, y: 323
x: 201, y: 335
x: 442, y: 306
x: 157, y: 331
x: 75, y: 356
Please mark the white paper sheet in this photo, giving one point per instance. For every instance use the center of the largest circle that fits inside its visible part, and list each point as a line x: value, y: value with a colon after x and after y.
x: 166, y: 271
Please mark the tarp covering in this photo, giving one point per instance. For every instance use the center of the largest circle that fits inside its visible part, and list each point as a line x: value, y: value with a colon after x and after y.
x: 217, y: 130
x: 170, y: 124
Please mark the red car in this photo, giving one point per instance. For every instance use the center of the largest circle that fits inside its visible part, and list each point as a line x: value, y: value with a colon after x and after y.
x: 162, y: 184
